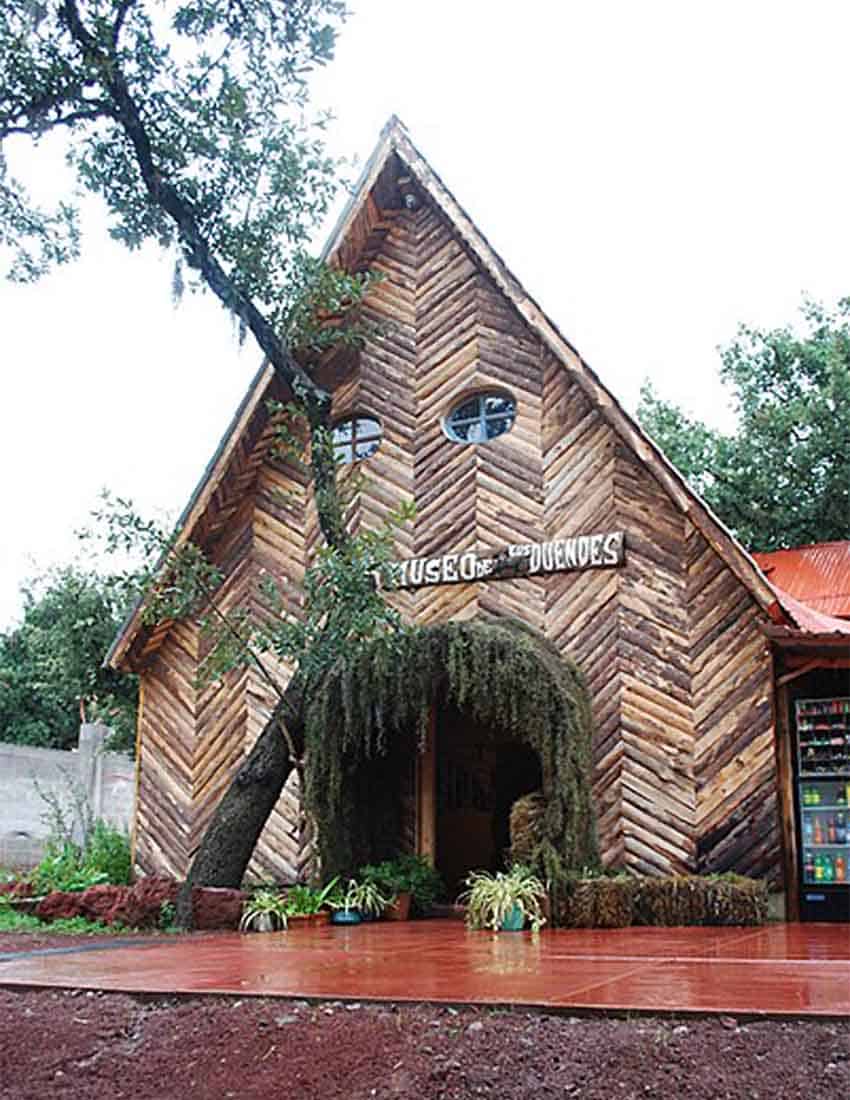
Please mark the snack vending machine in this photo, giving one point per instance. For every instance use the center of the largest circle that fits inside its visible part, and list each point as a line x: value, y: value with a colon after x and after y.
x: 823, y: 799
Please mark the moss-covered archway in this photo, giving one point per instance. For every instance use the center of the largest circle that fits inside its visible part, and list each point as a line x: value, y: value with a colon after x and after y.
x: 505, y: 675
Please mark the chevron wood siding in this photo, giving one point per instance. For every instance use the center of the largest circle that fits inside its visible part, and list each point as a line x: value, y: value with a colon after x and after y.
x: 670, y: 643
x: 582, y: 609
x: 164, y: 805
x: 738, y: 820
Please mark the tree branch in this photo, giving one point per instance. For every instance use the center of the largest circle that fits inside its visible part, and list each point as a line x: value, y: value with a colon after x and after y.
x: 200, y: 256
x: 40, y: 125
x: 120, y: 15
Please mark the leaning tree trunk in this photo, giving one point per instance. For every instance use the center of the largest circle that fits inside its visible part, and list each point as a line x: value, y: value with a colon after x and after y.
x: 232, y: 834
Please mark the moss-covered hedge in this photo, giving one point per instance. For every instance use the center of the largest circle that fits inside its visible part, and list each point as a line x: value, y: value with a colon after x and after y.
x: 372, y: 713
x: 623, y: 900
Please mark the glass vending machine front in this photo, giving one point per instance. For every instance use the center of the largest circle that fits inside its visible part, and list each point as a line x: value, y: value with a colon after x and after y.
x: 823, y: 744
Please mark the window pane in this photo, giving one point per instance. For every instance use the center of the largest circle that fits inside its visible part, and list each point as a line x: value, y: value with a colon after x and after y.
x: 480, y: 418
x: 498, y: 425
x: 366, y: 427
x: 461, y: 431
x: 468, y: 411
x: 494, y: 404
x: 366, y: 448
x: 357, y: 438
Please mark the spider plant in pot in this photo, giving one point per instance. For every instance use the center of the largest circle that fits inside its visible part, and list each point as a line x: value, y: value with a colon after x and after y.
x: 368, y: 899
x: 506, y: 901
x: 264, y: 911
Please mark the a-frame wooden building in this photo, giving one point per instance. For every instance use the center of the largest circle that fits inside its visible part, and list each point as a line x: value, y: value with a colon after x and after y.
x: 490, y: 421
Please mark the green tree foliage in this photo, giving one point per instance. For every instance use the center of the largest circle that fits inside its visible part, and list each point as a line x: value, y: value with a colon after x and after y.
x: 782, y: 478
x: 52, y: 660
x: 189, y: 120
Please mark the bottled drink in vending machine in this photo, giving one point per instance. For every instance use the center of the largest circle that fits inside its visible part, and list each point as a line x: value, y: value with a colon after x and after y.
x: 828, y: 868
x: 840, y: 869
x: 840, y: 829
x: 830, y: 829
x: 818, y: 868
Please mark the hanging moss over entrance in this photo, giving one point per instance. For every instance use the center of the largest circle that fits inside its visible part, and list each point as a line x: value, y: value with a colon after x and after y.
x: 505, y: 676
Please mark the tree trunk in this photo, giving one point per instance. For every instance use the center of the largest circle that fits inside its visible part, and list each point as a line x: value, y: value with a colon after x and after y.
x: 233, y: 832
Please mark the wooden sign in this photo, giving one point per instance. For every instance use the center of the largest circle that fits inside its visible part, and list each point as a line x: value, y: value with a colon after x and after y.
x: 529, y: 559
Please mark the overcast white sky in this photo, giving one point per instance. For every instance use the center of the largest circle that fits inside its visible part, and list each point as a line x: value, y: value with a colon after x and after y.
x: 653, y: 172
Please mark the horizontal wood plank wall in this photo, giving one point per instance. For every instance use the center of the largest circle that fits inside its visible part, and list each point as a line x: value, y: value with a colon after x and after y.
x: 582, y: 608
x: 164, y: 810
x: 738, y: 825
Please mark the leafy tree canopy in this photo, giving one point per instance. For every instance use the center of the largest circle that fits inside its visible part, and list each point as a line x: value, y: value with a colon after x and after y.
x: 190, y: 121
x: 52, y: 661
x: 782, y: 477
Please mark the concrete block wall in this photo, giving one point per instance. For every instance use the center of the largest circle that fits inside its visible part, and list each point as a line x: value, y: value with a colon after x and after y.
x: 108, y: 779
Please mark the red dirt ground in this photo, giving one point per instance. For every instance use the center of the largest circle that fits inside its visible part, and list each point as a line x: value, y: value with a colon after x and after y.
x: 93, y: 1046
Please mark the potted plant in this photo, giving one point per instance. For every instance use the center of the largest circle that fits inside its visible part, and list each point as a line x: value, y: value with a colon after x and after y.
x: 264, y: 911
x: 506, y: 901
x: 411, y: 880
x: 360, y: 901
x: 307, y: 905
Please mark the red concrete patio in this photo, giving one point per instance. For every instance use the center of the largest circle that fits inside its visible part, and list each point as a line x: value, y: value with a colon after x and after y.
x: 783, y: 969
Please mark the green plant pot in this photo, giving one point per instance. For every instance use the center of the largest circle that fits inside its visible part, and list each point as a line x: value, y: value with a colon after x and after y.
x: 514, y: 921
x: 346, y: 916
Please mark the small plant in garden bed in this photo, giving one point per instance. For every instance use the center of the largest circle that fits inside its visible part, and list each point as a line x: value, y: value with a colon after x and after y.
x: 493, y: 901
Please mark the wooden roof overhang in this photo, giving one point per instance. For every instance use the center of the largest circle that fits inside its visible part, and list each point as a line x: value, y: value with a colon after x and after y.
x: 395, y: 175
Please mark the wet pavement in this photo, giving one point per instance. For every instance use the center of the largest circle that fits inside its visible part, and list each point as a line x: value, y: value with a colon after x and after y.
x: 782, y: 969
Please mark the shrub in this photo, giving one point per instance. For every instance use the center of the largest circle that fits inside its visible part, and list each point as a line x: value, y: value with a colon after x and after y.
x: 107, y: 853
x: 406, y: 874
x: 66, y: 867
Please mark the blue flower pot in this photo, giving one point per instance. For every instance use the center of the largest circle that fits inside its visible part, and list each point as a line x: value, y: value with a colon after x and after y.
x: 345, y: 916
x: 514, y: 921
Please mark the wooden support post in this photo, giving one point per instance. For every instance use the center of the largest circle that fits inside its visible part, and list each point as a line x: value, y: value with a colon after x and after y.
x: 426, y: 794
x: 785, y: 784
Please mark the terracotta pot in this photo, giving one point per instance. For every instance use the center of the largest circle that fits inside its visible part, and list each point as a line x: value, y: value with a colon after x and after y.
x: 309, y: 920
x: 400, y: 908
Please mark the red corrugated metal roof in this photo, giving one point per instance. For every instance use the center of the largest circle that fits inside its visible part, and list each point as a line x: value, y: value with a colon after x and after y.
x: 808, y: 620
x: 817, y: 575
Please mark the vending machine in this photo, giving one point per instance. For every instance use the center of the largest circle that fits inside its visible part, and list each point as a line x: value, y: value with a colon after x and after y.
x: 823, y: 800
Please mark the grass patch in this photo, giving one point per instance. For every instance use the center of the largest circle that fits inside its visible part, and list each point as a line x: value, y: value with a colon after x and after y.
x: 13, y: 921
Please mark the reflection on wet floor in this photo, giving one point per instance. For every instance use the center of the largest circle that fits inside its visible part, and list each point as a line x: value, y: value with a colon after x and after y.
x: 797, y: 969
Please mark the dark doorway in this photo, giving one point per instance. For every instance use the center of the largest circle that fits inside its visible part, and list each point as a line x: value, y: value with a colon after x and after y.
x: 478, y: 778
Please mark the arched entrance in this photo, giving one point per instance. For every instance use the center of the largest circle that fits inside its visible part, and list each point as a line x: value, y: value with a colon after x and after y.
x: 477, y: 776
x: 424, y: 745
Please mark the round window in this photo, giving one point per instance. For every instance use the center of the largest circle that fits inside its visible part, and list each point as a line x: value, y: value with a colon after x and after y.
x: 356, y: 438
x: 480, y: 418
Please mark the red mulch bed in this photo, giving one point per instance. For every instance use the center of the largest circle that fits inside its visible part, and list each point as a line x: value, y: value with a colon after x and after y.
x: 108, y: 1046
